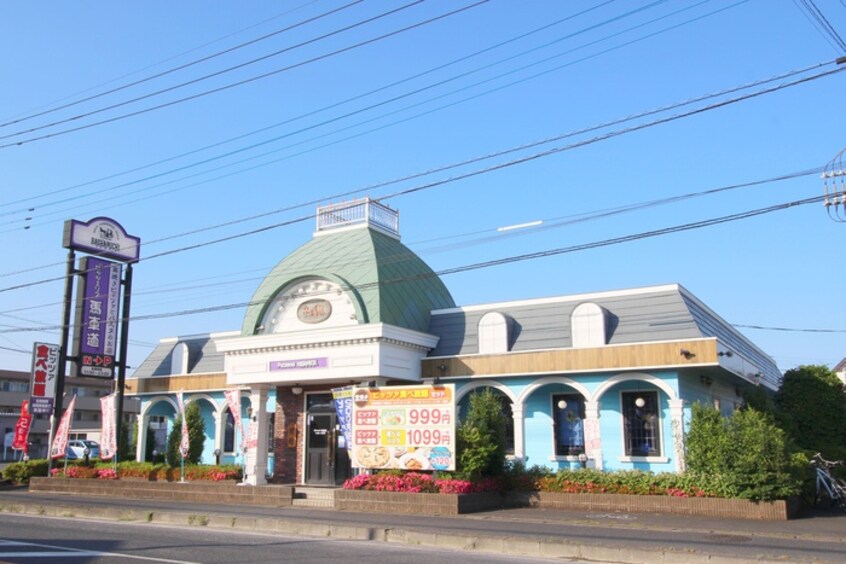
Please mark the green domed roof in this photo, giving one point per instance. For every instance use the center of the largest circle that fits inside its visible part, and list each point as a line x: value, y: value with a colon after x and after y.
x: 391, y: 283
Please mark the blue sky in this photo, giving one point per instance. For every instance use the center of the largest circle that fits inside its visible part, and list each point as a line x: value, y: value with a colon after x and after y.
x: 339, y: 105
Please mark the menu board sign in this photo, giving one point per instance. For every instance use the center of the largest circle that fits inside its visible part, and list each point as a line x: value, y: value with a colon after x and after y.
x: 405, y: 427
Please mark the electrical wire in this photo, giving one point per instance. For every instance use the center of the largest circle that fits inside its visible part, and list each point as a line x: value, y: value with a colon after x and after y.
x: 173, y: 70
x: 498, y: 166
x: 99, y: 193
x: 241, y: 82
x: 488, y: 264
x: 290, y: 120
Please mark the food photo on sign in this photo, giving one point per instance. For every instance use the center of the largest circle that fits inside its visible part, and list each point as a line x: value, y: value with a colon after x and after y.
x: 404, y: 427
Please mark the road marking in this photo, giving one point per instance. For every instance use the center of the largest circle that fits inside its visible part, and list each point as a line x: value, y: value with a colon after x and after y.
x: 65, y: 552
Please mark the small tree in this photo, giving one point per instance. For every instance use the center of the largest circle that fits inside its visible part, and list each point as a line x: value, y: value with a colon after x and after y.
x: 127, y: 440
x: 196, y: 437
x: 481, y: 437
x: 151, y: 443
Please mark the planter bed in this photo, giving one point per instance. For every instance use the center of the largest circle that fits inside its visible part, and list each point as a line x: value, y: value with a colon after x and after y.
x: 415, y: 503
x: 226, y: 492
x: 704, y: 506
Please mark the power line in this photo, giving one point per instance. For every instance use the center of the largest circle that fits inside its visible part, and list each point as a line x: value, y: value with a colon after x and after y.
x: 99, y: 193
x: 477, y: 172
x: 548, y: 224
x: 492, y: 263
x: 241, y: 82
x: 823, y: 24
x: 171, y: 71
x: 371, y: 187
x: 166, y: 60
x: 789, y: 329
x: 296, y: 118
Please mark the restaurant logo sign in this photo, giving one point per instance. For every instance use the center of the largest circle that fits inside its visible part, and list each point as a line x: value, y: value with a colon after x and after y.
x: 103, y: 237
x: 299, y: 364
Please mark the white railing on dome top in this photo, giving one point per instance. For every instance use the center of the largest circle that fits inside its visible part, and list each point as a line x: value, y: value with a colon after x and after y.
x: 358, y: 211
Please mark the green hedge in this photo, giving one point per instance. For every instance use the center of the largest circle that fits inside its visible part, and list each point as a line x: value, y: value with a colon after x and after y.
x: 19, y: 473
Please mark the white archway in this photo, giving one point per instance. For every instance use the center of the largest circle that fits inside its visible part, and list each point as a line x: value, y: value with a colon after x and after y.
x: 506, y: 391
x: 635, y: 376
x: 516, y: 407
x: 531, y: 388
x: 144, y: 420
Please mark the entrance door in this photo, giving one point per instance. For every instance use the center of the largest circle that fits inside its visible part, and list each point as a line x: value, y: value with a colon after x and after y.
x: 320, y: 449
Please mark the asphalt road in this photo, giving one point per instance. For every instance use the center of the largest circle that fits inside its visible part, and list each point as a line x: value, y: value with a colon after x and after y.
x: 30, y: 539
x: 508, y: 533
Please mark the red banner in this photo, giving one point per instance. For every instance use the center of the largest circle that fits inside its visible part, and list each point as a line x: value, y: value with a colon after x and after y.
x: 22, y: 428
x: 108, y: 442
x: 60, y: 441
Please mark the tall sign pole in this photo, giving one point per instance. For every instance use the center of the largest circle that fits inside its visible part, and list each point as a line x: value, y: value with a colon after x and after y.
x: 96, y: 341
x: 58, y: 406
x: 124, y: 343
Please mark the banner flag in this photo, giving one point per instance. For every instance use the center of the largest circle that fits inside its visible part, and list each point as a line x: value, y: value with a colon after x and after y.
x: 108, y: 440
x: 343, y: 408
x: 183, y: 444
x: 233, y: 400
x: 21, y: 441
x: 60, y: 441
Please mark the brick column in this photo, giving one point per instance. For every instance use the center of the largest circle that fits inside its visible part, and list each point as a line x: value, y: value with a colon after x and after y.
x: 288, y: 437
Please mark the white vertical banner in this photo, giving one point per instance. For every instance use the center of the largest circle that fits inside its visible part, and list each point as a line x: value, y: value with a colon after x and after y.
x: 60, y: 441
x: 108, y: 439
x: 233, y: 401
x: 183, y: 444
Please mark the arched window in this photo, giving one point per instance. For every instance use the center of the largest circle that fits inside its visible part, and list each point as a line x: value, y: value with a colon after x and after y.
x: 493, y: 333
x: 588, y: 324
x: 229, y: 433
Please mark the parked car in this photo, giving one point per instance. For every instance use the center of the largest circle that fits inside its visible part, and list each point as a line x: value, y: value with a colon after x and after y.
x: 76, y: 449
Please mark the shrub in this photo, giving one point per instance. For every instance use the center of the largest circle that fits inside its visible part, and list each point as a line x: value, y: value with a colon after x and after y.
x: 633, y: 482
x: 745, y: 455
x: 416, y: 482
x: 518, y: 478
x: 19, y: 473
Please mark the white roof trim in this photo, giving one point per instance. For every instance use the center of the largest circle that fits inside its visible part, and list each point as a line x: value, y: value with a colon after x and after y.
x: 562, y: 299
x: 218, y: 335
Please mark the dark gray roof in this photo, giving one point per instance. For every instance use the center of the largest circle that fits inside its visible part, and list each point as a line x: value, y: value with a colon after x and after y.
x: 203, y: 357
x: 641, y: 315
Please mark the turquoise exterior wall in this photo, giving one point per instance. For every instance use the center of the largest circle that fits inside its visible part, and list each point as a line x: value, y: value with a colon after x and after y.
x: 165, y: 409
x: 538, y: 433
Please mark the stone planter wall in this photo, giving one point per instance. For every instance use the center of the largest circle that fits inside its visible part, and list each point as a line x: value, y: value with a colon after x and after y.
x: 705, y: 506
x: 415, y: 503
x: 225, y: 493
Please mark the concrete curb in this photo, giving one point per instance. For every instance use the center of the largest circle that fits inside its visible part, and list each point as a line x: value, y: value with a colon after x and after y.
x: 543, y: 547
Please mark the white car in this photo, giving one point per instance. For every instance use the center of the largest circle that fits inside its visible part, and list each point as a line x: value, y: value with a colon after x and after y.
x: 76, y: 449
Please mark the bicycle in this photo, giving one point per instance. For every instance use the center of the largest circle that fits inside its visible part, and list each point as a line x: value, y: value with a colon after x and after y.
x: 827, y: 485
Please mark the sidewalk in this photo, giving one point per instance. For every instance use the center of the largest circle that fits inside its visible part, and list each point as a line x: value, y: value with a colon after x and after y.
x: 606, y: 537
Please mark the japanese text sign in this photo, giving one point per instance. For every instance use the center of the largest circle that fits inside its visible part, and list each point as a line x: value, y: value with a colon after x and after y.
x: 406, y: 427
x: 45, y: 369
x: 95, y: 342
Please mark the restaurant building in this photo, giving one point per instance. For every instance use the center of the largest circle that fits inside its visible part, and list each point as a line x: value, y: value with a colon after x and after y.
x: 605, y: 379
